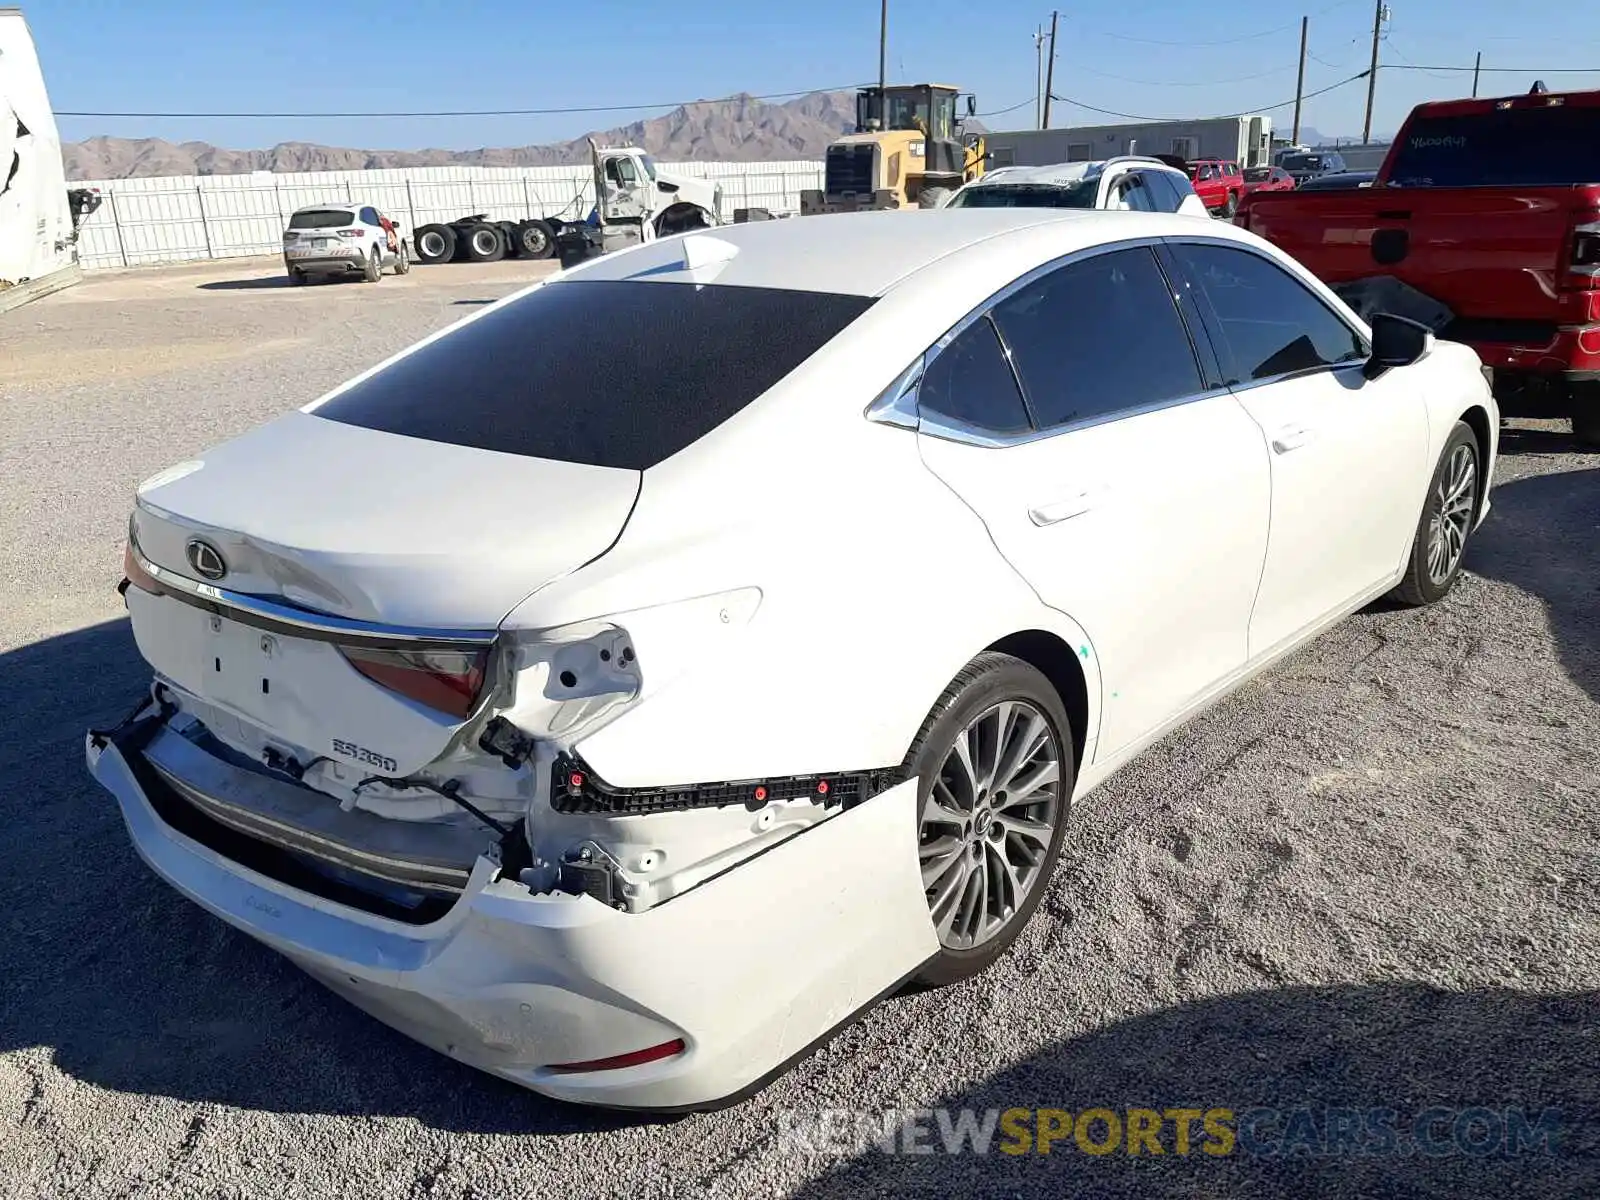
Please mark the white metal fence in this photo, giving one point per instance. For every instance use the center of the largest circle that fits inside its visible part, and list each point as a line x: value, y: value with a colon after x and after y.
x: 178, y: 218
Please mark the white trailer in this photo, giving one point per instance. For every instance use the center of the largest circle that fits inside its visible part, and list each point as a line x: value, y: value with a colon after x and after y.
x: 1246, y: 140
x: 38, y: 236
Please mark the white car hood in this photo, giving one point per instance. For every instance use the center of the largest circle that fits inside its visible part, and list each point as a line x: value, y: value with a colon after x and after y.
x: 380, y: 527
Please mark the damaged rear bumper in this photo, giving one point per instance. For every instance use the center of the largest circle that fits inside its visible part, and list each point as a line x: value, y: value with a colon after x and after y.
x: 750, y: 969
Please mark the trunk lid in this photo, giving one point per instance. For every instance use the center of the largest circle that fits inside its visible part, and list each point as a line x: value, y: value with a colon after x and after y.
x: 405, y: 535
x: 376, y: 526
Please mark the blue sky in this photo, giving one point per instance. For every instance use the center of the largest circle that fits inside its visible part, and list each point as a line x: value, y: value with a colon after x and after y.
x: 1160, y: 58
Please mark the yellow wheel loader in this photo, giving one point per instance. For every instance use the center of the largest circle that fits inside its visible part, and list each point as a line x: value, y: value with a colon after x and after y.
x: 910, y: 150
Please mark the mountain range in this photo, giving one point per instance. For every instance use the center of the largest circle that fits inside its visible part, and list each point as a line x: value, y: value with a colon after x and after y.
x: 740, y: 128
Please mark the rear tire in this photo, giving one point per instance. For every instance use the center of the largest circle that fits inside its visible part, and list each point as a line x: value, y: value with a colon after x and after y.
x: 992, y: 851
x: 1230, y: 206
x: 297, y: 278
x: 483, y: 243
x: 1447, y: 519
x: 535, y: 239
x: 435, y: 243
x: 1586, y: 416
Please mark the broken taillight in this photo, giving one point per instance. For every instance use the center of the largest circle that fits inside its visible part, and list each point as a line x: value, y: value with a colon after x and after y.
x: 616, y: 1062
x: 136, y: 574
x: 446, y: 680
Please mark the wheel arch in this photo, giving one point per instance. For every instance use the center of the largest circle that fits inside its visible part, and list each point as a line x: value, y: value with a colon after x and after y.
x: 1052, y: 657
x: 1477, y: 419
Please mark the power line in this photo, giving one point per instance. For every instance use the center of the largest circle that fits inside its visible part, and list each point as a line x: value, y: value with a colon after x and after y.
x: 1233, y: 41
x: 484, y: 112
x: 1222, y: 116
x: 1497, y: 70
x: 1182, y: 83
x: 1000, y: 112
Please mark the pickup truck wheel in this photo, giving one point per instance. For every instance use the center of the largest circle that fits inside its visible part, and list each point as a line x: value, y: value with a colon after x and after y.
x: 435, y: 243
x: 1230, y: 206
x: 1586, y: 417
x: 1447, y: 518
x: 484, y: 244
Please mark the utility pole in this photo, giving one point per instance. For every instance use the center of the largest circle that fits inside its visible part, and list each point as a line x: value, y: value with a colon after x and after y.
x: 1379, y: 12
x: 883, y: 60
x: 1050, y: 71
x: 1038, y: 82
x: 1476, y: 67
x: 1300, y: 79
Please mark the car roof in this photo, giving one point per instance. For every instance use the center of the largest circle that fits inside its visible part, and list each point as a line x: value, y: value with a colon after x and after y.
x: 869, y: 253
x: 1061, y: 173
x: 358, y: 203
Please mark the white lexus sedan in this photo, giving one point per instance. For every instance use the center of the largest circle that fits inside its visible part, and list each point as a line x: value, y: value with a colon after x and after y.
x: 622, y: 688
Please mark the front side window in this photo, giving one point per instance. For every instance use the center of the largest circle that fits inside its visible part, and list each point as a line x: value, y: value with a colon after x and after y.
x: 1135, y: 195
x: 611, y: 373
x: 1163, y: 186
x: 1271, y: 323
x: 1098, y: 337
x: 970, y: 383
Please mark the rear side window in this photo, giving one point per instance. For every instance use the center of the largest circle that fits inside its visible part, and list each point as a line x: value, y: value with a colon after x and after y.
x: 611, y: 373
x: 1271, y: 323
x: 1512, y: 147
x: 1097, y: 337
x: 969, y: 382
x: 322, y: 218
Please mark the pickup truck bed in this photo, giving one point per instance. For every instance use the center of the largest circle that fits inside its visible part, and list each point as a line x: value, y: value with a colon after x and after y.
x: 1484, y: 222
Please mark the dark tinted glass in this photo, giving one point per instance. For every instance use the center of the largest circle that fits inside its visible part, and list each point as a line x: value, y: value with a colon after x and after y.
x: 1135, y: 195
x: 1098, y: 336
x: 969, y: 381
x: 369, y: 215
x: 1511, y: 147
x: 1271, y: 324
x: 322, y: 218
x: 1029, y: 195
x: 609, y: 373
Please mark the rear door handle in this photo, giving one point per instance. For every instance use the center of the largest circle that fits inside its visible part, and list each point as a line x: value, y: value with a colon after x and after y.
x: 1292, y: 437
x: 1061, y: 510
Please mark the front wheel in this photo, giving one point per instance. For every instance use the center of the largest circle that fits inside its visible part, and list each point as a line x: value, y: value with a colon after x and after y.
x: 373, y: 270
x: 402, y: 260
x: 1446, y: 523
x: 995, y: 770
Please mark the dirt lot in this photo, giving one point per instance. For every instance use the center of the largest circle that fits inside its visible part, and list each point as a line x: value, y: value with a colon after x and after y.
x: 1369, y: 881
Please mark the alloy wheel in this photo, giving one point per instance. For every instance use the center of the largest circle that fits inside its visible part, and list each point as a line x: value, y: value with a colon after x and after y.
x: 1455, y: 500
x: 988, y: 822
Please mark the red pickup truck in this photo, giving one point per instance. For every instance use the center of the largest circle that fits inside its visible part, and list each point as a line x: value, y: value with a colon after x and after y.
x: 1484, y: 222
x: 1219, y: 184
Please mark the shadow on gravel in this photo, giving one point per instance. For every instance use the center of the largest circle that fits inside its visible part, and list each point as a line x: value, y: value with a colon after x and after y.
x: 131, y: 987
x: 1543, y: 535
x: 1380, y: 1057
x: 270, y: 282
x: 1540, y: 441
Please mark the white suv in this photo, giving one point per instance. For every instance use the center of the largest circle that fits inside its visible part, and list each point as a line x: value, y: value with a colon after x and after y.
x: 1140, y: 184
x: 338, y: 239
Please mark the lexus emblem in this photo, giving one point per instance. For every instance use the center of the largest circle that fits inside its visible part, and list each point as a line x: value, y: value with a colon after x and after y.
x: 206, y: 559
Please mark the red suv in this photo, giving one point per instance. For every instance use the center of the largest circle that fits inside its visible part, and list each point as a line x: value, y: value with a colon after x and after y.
x: 1219, y: 183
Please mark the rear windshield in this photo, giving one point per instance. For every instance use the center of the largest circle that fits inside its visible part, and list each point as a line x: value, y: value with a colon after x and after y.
x: 1257, y: 174
x: 1524, y: 147
x: 1302, y: 162
x: 1030, y: 195
x: 322, y: 218
x: 612, y: 373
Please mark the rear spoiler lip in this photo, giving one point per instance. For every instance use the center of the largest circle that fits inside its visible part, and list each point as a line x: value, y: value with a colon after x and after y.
x: 276, y: 616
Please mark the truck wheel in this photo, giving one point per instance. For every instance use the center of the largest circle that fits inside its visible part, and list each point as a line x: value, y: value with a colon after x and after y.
x: 373, y: 271
x: 1586, y: 419
x: 932, y: 197
x: 484, y: 244
x: 1230, y: 206
x: 535, y: 239
x: 435, y: 243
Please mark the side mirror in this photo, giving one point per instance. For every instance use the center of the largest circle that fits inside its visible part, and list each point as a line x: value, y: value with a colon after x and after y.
x: 972, y: 106
x: 1396, y: 342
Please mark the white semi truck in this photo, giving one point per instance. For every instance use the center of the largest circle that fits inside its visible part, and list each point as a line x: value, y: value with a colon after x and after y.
x: 38, y: 218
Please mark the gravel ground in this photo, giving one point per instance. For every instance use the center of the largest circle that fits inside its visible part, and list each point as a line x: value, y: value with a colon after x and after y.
x: 1367, y: 881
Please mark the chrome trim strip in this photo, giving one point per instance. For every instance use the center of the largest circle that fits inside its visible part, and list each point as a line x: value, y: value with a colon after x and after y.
x: 267, y: 613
